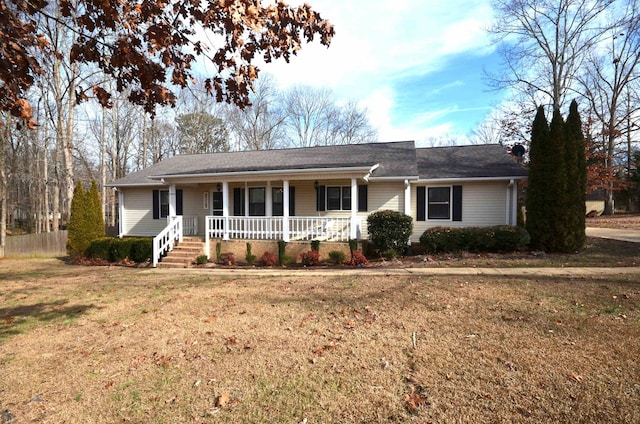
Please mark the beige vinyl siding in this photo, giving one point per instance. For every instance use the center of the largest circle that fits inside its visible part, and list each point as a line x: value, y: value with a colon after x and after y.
x: 138, y: 213
x: 483, y: 205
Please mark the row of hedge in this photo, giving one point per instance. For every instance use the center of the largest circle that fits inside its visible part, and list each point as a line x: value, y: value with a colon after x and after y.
x: 115, y: 250
x: 502, y: 238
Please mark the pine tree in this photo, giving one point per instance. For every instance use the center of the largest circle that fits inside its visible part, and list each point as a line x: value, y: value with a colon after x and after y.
x: 577, y: 177
x: 95, y: 218
x: 537, y: 196
x: 556, y: 184
x: 76, y: 239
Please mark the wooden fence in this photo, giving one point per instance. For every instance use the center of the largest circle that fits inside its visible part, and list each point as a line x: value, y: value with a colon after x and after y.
x: 43, y: 244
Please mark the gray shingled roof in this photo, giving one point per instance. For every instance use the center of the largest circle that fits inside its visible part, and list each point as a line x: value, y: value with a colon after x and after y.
x: 476, y: 161
x: 397, y: 159
x: 394, y: 159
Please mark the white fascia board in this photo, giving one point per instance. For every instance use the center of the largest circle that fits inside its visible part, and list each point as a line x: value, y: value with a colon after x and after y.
x: 242, y: 176
x: 395, y: 178
x: 472, y: 179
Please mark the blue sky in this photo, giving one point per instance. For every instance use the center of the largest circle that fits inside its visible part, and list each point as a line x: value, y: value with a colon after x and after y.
x: 416, y: 66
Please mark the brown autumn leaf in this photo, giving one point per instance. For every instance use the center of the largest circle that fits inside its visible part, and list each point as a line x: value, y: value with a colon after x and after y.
x: 414, y: 401
x: 222, y: 400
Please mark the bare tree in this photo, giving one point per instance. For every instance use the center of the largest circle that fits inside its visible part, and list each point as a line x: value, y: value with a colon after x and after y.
x: 309, y: 115
x: 259, y: 126
x: 201, y: 132
x: 544, y: 43
x: 611, y: 72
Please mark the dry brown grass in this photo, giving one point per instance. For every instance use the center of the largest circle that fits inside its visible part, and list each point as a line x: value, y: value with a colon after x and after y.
x: 108, y: 344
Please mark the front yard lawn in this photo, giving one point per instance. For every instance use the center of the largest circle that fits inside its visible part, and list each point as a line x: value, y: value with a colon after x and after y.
x: 114, y: 344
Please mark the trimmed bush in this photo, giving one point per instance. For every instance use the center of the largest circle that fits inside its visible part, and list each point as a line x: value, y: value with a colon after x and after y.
x: 99, y: 248
x: 218, y: 252
x: 337, y: 257
x: 389, y: 230
x: 141, y: 250
x: 228, y: 258
x: 502, y: 238
x: 358, y: 259
x: 115, y: 250
x: 353, y: 245
x: 310, y: 258
x: 202, y: 259
x: 269, y: 259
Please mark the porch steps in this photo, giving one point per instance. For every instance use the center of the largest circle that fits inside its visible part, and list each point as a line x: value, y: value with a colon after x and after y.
x: 183, y: 253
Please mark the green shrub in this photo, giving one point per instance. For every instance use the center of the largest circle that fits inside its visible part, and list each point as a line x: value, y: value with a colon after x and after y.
x: 86, y: 222
x: 99, y: 248
x: 310, y: 258
x: 315, y: 245
x: 353, y: 245
x: 218, y: 252
x: 389, y: 230
x: 202, y: 259
x: 141, y: 249
x: 251, y: 259
x: 502, y: 238
x: 286, y: 260
x: 268, y: 259
x: 390, y: 254
x: 115, y: 250
x: 337, y: 257
x: 120, y: 250
x: 282, y: 245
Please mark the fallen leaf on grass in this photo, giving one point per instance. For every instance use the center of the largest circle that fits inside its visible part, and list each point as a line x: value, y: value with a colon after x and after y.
x: 210, y: 319
x: 222, y: 400
x: 10, y: 320
x: 415, y: 401
x: 577, y: 377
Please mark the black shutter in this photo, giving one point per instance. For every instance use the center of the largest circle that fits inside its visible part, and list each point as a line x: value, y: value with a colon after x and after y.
x: 179, y: 202
x: 457, y: 203
x: 292, y: 201
x: 421, y: 200
x: 238, y: 201
x: 320, y: 199
x: 363, y: 195
x: 156, y: 204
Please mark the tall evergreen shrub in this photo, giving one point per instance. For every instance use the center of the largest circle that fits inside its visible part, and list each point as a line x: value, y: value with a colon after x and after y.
x: 537, y: 196
x: 77, y: 239
x: 577, y: 177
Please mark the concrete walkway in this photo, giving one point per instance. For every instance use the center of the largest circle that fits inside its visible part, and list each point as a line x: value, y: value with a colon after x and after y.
x: 319, y: 272
x: 614, y: 234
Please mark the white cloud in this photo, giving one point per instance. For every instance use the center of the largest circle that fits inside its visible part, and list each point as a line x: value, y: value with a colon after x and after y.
x: 378, y: 42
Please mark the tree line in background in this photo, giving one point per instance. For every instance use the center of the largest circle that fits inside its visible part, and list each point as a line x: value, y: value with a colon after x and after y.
x: 554, y: 51
x: 62, y: 53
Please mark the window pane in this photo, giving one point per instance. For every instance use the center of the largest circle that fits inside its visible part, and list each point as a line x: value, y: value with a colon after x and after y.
x: 346, y: 198
x: 256, y: 201
x: 333, y: 198
x: 164, y: 203
x: 277, y: 206
x: 439, y: 202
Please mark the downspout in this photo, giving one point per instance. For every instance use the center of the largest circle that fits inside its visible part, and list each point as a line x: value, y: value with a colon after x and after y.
x: 368, y: 174
x: 509, y: 206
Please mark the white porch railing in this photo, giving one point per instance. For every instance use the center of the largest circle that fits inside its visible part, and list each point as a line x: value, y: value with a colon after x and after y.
x: 190, y: 225
x: 272, y: 228
x: 164, y: 241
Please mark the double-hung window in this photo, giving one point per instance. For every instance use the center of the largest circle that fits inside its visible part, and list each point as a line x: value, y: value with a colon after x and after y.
x: 164, y: 203
x: 439, y: 203
x: 338, y: 198
x: 257, y: 201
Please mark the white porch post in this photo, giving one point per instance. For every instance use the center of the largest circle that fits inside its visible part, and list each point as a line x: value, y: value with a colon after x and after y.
x: 120, y: 213
x: 225, y: 210
x: 246, y: 199
x: 172, y: 200
x: 285, y: 210
x: 515, y: 203
x: 354, y: 209
x: 407, y: 202
x: 407, y: 198
x: 268, y: 207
